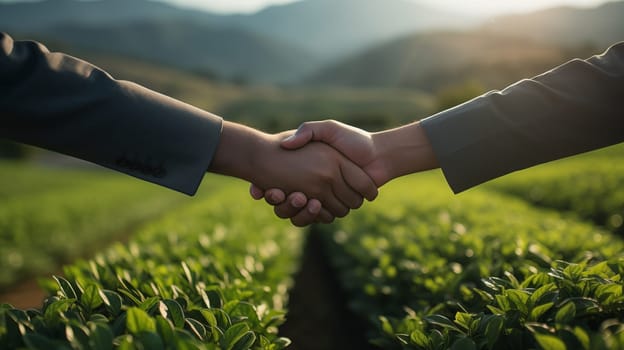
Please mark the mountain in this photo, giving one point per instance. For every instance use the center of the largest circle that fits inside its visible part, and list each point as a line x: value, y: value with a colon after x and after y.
x: 323, y: 28
x: 434, y: 60
x: 335, y: 28
x: 226, y: 52
x: 154, y: 31
x: 34, y: 16
x: 493, y: 55
x: 600, y: 26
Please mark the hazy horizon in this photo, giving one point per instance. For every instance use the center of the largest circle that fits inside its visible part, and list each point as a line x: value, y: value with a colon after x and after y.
x: 477, y: 7
x: 483, y: 7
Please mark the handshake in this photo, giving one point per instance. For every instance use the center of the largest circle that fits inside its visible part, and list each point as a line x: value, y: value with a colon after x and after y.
x: 324, y: 169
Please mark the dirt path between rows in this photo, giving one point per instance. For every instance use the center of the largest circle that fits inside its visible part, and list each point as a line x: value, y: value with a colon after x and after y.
x: 25, y: 295
x: 318, y: 316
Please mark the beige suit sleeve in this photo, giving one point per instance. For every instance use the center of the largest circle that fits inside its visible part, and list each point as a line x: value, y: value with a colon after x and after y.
x: 60, y: 103
x: 574, y: 108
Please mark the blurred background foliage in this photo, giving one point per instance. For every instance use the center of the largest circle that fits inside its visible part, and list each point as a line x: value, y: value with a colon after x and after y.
x: 374, y: 64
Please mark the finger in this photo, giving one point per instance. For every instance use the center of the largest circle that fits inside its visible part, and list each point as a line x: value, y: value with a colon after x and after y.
x: 358, y: 180
x: 311, y: 131
x: 308, y: 215
x: 256, y: 192
x: 325, y: 217
x: 292, y: 206
x: 335, y: 206
x: 346, y: 195
x: 274, y: 196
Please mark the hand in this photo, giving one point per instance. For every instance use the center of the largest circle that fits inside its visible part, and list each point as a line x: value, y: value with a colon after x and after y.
x: 304, y: 212
x: 383, y: 155
x: 356, y: 144
x: 318, y: 170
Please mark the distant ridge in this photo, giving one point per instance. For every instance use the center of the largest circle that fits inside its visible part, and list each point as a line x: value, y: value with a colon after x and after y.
x: 343, y: 41
x: 230, y: 53
x: 33, y: 16
x: 322, y: 28
x: 600, y: 26
x: 505, y: 50
x: 165, y: 34
x: 335, y: 28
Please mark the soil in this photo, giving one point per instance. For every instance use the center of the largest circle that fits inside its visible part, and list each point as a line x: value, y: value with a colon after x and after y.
x: 25, y: 295
x: 319, y: 317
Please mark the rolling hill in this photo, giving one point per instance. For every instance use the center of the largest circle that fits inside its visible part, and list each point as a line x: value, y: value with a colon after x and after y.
x: 600, y: 26
x: 347, y: 42
x: 336, y: 28
x: 35, y: 16
x: 328, y: 28
x: 494, y: 56
x: 227, y: 52
x: 165, y: 34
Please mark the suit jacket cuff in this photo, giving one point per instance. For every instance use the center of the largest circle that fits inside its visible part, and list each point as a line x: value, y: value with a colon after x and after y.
x: 469, y: 146
x: 164, y: 141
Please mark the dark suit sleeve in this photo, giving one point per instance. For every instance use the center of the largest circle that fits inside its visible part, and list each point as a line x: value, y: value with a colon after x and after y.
x: 58, y: 102
x: 574, y: 108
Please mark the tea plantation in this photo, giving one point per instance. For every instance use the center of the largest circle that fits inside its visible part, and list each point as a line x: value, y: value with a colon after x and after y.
x: 479, y: 271
x: 591, y: 187
x: 200, y: 278
x: 52, y: 216
x: 505, y: 266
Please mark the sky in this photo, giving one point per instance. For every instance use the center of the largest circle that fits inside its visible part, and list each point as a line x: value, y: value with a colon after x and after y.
x: 483, y: 7
x: 486, y: 7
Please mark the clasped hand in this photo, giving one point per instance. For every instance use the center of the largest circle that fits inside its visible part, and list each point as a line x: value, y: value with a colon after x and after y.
x: 380, y: 156
x: 358, y: 175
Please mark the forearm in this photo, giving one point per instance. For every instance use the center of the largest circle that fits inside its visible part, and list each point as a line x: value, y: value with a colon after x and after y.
x: 58, y: 102
x: 574, y: 108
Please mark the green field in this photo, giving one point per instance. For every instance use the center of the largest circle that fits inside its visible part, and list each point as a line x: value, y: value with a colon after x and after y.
x: 496, y: 267
x: 52, y: 216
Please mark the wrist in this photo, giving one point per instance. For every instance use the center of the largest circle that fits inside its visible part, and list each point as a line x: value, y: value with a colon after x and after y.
x: 238, y: 150
x: 403, y: 151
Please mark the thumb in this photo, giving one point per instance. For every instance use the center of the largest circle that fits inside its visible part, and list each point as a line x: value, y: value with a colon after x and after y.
x: 299, y: 139
x: 323, y: 131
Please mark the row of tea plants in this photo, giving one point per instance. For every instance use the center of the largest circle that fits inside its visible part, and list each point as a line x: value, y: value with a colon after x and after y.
x: 478, y: 271
x: 213, y: 275
x: 51, y: 217
x: 589, y: 186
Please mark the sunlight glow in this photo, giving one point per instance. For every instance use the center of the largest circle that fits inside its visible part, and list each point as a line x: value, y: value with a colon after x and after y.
x: 475, y: 7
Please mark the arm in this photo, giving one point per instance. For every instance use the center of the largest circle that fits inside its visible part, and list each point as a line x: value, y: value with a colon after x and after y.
x: 61, y: 103
x: 574, y: 108
x: 571, y: 109
x: 319, y: 170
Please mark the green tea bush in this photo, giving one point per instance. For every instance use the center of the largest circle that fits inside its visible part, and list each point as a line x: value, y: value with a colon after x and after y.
x: 26, y: 178
x: 477, y: 271
x: 213, y: 275
x: 590, y: 186
x: 42, y: 229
